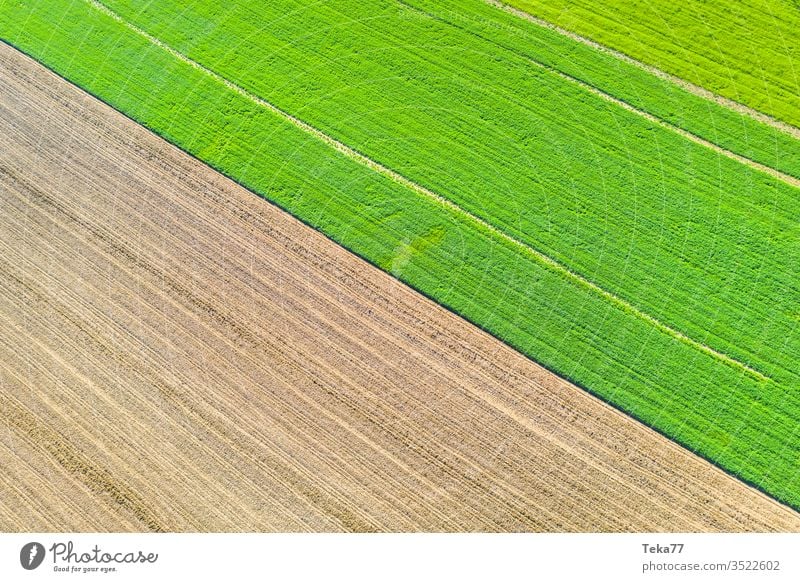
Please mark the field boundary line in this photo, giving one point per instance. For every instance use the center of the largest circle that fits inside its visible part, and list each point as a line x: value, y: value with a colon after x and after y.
x: 357, y: 156
x: 683, y: 83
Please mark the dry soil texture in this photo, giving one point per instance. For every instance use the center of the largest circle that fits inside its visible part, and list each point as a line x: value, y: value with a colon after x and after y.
x: 177, y: 354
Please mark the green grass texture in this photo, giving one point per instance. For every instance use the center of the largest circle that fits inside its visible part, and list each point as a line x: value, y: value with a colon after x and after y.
x: 685, y: 235
x: 692, y: 238
x: 747, y: 51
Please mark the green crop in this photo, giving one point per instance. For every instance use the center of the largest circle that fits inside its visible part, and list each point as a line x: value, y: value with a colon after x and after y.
x: 663, y: 99
x: 692, y: 238
x: 696, y: 240
x: 746, y: 51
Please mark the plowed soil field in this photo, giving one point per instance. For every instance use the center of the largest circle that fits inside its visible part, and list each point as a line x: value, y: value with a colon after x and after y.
x: 176, y: 354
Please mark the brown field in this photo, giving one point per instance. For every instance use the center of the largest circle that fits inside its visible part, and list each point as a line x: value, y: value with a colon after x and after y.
x: 177, y: 354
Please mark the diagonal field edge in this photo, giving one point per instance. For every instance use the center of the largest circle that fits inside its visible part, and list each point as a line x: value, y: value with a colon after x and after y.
x: 355, y: 155
x: 691, y: 87
x: 622, y: 412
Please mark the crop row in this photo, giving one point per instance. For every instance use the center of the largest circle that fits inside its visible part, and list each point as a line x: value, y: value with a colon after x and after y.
x: 746, y: 51
x: 662, y: 98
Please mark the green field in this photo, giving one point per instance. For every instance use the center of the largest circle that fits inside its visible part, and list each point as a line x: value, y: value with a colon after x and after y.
x: 425, y: 39
x: 629, y: 83
x: 747, y: 51
x: 704, y: 244
x: 602, y: 191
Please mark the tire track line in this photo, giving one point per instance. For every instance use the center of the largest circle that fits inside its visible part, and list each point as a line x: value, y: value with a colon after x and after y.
x: 682, y: 83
